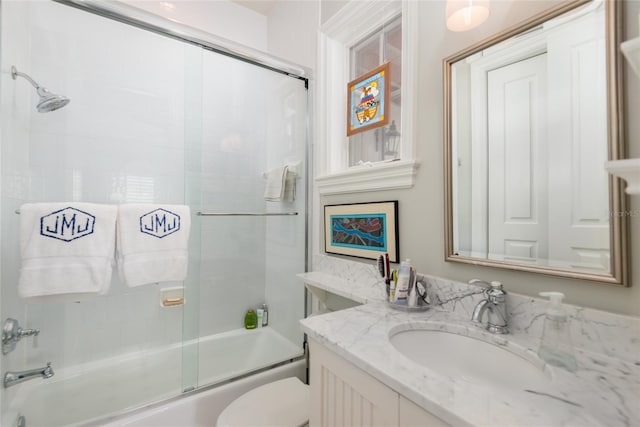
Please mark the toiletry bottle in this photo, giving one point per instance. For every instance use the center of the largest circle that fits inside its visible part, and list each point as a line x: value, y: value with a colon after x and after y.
x: 404, y: 274
x: 556, y: 347
x: 265, y: 315
x: 250, y: 319
x: 260, y: 314
x: 393, y: 281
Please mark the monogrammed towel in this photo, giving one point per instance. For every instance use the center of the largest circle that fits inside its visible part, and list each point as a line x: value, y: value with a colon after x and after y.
x: 67, y: 250
x: 153, y: 242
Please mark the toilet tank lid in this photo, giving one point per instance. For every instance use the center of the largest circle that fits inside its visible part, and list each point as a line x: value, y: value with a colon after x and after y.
x: 280, y: 403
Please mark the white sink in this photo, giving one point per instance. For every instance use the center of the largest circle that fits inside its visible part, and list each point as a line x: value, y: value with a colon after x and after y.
x: 471, y: 359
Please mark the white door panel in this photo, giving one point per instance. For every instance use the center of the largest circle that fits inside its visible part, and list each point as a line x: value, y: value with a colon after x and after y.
x: 517, y: 161
x: 579, y: 229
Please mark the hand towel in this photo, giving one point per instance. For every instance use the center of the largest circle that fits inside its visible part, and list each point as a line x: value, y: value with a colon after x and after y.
x: 67, y: 250
x: 153, y: 243
x: 289, y: 194
x: 276, y: 182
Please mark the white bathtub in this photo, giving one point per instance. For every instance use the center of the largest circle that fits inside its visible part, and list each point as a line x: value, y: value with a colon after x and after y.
x: 201, y: 408
x: 89, y: 394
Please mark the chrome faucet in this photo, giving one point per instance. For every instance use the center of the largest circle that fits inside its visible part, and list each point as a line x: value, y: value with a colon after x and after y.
x: 496, y: 303
x: 13, y: 378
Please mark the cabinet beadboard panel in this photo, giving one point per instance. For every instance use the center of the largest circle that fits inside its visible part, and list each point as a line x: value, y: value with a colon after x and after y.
x: 344, y: 395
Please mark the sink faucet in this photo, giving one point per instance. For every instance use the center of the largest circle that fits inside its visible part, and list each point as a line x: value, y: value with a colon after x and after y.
x: 13, y: 378
x: 496, y: 303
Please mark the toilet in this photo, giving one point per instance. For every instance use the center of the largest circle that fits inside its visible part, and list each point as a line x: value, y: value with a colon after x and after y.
x: 282, y: 403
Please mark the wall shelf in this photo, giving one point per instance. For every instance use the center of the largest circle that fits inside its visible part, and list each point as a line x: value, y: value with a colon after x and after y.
x: 631, y: 51
x: 627, y: 169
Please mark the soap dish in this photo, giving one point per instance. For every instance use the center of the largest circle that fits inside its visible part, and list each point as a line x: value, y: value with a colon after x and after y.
x: 403, y: 307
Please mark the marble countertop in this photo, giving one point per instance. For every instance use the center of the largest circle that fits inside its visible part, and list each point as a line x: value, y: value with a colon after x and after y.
x: 603, y: 392
x: 360, y: 291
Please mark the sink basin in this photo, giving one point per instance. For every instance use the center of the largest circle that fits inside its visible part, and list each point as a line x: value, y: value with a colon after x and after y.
x: 471, y: 359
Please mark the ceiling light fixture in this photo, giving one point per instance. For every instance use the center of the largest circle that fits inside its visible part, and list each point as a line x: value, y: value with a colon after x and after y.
x: 167, y: 5
x: 463, y: 15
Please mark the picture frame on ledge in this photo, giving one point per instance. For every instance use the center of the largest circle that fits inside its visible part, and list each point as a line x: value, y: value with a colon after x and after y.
x: 362, y: 230
x: 368, y: 100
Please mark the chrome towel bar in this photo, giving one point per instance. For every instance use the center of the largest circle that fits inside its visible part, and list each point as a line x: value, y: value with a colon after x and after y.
x: 246, y: 213
x: 234, y: 213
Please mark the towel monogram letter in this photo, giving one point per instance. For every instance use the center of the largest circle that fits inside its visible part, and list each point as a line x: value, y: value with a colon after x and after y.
x: 159, y: 223
x: 67, y: 224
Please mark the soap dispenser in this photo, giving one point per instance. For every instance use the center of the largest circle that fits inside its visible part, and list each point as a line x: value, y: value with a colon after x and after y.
x: 556, y: 347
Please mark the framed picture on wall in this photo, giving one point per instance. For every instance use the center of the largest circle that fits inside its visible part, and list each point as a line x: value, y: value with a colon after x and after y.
x: 363, y: 230
x: 368, y: 100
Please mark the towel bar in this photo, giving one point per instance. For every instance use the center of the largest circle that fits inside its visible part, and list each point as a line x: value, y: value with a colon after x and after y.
x: 17, y: 211
x: 246, y: 213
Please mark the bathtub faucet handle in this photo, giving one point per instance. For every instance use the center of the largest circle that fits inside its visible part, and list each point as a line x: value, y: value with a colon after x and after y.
x: 12, y: 333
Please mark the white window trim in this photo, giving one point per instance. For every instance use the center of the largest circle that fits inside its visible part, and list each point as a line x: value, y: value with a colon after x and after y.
x: 336, y: 37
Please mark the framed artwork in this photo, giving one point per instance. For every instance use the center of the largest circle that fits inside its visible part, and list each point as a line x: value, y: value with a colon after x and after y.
x: 364, y: 230
x: 368, y: 100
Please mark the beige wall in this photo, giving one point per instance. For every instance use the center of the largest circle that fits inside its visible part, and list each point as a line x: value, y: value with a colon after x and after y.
x: 421, y: 208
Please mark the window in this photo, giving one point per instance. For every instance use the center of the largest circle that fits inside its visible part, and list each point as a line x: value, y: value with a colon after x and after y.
x: 349, y: 46
x: 384, y: 45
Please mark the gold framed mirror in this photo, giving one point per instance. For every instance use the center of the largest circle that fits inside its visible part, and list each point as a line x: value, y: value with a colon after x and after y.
x: 531, y: 116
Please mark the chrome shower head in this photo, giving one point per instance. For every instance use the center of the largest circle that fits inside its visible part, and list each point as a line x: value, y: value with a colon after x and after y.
x: 48, y: 101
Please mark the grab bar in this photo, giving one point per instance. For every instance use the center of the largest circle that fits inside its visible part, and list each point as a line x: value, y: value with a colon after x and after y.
x: 246, y: 213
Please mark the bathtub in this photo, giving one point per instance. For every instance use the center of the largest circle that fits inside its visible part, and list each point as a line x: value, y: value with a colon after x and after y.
x: 201, y: 408
x: 90, y: 394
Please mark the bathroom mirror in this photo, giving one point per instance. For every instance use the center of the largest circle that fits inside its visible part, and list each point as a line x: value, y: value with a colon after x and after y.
x: 531, y: 116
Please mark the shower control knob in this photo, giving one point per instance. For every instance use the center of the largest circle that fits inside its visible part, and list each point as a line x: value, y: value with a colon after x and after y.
x: 12, y: 333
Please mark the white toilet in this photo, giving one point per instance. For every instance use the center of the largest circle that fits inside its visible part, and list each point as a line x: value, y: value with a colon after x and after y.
x: 282, y: 403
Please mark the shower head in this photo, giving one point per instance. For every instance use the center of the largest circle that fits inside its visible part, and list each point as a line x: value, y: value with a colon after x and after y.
x: 48, y: 101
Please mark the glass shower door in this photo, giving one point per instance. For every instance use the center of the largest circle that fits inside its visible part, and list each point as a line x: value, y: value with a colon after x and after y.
x: 253, y: 120
x: 120, y: 140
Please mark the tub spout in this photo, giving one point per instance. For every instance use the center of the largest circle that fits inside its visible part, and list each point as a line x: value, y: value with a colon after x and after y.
x: 13, y: 378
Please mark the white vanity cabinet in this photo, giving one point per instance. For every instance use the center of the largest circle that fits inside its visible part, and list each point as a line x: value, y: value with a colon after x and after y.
x: 344, y: 395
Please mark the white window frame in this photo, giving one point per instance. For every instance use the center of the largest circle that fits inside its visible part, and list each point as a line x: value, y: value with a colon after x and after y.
x: 342, y: 31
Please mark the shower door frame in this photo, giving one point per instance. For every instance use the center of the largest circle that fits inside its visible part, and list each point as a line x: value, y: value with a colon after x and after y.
x: 159, y: 25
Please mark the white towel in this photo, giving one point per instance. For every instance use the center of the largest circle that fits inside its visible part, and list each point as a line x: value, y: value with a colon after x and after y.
x: 289, y: 194
x: 67, y: 250
x: 153, y: 242
x: 274, y: 191
x: 281, y: 185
